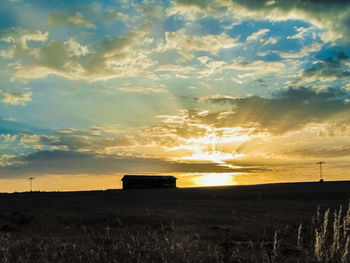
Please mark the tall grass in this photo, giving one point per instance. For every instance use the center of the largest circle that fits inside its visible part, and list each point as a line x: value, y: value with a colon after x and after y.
x: 331, y: 243
x: 326, y: 238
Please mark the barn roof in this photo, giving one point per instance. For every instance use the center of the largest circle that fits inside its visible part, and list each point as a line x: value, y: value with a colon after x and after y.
x: 148, y: 177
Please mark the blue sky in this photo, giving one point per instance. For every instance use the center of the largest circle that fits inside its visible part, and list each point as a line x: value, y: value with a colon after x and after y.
x: 256, y: 89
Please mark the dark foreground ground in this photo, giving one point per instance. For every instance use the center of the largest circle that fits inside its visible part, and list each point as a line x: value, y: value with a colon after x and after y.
x: 266, y: 223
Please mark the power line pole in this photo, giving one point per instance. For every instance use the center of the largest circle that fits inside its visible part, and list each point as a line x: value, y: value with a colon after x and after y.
x: 31, y: 182
x: 321, y: 174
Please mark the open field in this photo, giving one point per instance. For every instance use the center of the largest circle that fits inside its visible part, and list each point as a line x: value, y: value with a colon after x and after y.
x: 266, y: 223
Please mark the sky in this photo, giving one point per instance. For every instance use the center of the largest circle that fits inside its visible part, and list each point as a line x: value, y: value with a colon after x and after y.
x: 214, y: 92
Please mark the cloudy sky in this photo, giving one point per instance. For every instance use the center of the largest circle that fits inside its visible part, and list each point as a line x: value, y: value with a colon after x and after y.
x: 214, y: 92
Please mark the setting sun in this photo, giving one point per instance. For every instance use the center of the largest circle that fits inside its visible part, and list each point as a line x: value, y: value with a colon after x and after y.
x: 209, y: 147
x: 215, y: 179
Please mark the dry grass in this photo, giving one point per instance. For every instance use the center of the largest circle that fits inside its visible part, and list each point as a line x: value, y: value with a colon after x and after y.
x: 201, y: 226
x: 167, y: 244
x: 332, y: 240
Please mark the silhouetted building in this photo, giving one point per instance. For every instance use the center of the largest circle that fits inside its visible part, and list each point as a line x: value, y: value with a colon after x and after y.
x: 148, y: 181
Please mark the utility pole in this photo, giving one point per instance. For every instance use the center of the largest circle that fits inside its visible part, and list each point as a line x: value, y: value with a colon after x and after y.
x: 31, y: 182
x: 321, y: 175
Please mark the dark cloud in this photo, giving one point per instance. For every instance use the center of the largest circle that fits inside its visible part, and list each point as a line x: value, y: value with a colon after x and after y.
x: 70, y: 162
x: 75, y: 142
x: 287, y: 110
x: 94, y: 139
x: 73, y: 60
x: 332, y: 15
x: 329, y: 69
x: 321, y: 151
x: 17, y: 41
x: 14, y: 127
x: 320, y: 5
x: 77, y: 19
x: 195, y: 3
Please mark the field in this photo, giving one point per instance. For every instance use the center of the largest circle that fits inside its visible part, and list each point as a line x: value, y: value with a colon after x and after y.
x: 296, y: 222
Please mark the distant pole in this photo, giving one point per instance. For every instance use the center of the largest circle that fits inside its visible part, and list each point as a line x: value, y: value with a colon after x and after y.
x: 31, y: 182
x: 321, y: 174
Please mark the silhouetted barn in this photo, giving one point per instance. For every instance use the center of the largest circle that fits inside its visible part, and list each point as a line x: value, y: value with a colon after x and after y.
x: 148, y: 181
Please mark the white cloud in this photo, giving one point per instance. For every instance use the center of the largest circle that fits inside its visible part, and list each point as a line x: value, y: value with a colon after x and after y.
x: 114, y: 14
x: 329, y: 15
x: 322, y: 14
x: 77, y: 19
x: 257, y: 35
x: 29, y: 141
x: 176, y: 68
x: 204, y: 59
x: 328, y: 37
x: 74, y: 48
x: 111, y: 58
x: 271, y: 40
x: 314, y: 47
x: 301, y: 33
x: 7, y: 160
x: 8, y: 137
x: 145, y: 90
x: 213, y: 67
x: 260, y: 66
x: 305, y: 51
x: 191, y: 10
x: 184, y: 43
x: 15, y: 98
x: 18, y: 38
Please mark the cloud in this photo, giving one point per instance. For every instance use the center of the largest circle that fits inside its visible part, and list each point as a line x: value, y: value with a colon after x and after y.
x: 144, y: 90
x: 256, y: 129
x: 75, y: 49
x: 191, y: 9
x: 114, y: 14
x: 15, y: 98
x: 213, y: 67
x: 8, y: 137
x: 244, y: 126
x: 30, y: 141
x: 77, y: 19
x: 287, y: 110
x: 302, y: 31
x: 17, y: 40
x: 330, y: 69
x: 176, y: 68
x: 260, y: 66
x: 110, y: 58
x: 257, y: 35
x: 321, y: 151
x: 15, y: 127
x: 270, y: 40
x: 333, y: 16
x: 303, y: 52
x: 8, y: 160
x: 95, y: 139
x: 184, y: 43
x: 118, y: 56
x: 69, y: 162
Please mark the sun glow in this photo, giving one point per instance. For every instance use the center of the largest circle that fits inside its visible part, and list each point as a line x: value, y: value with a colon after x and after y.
x: 215, y: 179
x: 208, y: 147
x: 215, y: 157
